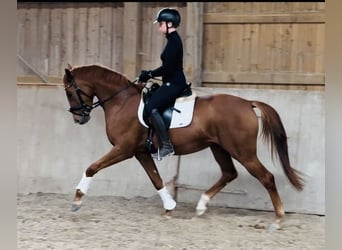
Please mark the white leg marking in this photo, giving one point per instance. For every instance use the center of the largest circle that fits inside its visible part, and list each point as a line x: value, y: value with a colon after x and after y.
x: 168, y: 201
x: 84, y: 183
x: 202, y: 204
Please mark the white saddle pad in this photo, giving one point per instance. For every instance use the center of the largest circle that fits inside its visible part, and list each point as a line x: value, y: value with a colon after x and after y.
x: 184, y: 104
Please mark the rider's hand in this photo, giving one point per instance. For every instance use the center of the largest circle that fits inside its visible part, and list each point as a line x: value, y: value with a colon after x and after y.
x: 145, y: 75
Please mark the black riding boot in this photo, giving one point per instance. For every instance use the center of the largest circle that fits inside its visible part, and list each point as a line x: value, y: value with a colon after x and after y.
x: 165, y: 147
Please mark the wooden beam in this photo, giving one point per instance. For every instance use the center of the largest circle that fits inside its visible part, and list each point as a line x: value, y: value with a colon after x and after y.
x: 193, y: 42
x: 37, y: 84
x: 222, y: 18
x: 131, y: 33
x: 255, y: 77
x: 40, y: 75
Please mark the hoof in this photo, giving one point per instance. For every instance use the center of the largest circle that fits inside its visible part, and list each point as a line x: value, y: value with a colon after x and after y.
x: 76, y: 206
x: 273, y: 227
x: 167, y: 214
x: 200, y: 212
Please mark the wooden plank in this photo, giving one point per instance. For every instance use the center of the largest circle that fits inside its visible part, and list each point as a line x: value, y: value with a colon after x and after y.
x: 67, y: 50
x: 33, y: 69
x: 310, y: 50
x: 223, y: 57
x: 219, y: 58
x: 231, y: 46
x: 93, y: 35
x: 117, y: 38
x: 266, y: 44
x: 105, y: 36
x: 80, y: 43
x: 306, y: 6
x: 130, y: 38
x: 48, y: 84
x: 320, y: 46
x: 263, y: 77
x: 44, y: 35
x: 261, y: 47
x: 147, y: 46
x: 34, y: 79
x: 237, y: 35
x: 207, y: 45
x: 55, y: 42
x: 245, y: 48
x: 274, y: 86
x: 33, y: 50
x: 247, y: 7
x: 254, y: 51
x: 220, y: 18
x: 277, y: 48
x: 294, y: 47
x: 156, y: 41
x: 21, y: 15
x: 193, y: 43
x: 184, y: 12
x: 264, y: 7
x: 320, y: 6
x: 286, y: 45
x: 232, y: 7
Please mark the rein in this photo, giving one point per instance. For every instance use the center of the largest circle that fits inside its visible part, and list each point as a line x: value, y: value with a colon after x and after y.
x: 85, y: 108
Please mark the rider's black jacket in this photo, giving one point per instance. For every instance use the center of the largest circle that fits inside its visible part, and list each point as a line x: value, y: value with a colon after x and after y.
x: 171, y: 69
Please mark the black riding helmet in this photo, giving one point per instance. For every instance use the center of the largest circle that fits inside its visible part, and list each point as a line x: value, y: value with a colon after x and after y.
x: 168, y: 15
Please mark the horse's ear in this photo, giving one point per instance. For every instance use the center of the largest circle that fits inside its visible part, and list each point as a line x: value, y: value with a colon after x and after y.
x: 68, y: 74
x: 69, y: 66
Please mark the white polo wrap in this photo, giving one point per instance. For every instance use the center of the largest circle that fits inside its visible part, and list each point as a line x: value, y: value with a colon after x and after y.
x: 202, y: 203
x: 167, y: 199
x: 84, y: 183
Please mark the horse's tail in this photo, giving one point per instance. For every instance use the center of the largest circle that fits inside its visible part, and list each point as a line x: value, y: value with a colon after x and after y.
x: 274, y: 133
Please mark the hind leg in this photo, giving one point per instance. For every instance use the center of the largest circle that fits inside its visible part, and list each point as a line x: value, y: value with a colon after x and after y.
x: 258, y: 170
x: 229, y: 173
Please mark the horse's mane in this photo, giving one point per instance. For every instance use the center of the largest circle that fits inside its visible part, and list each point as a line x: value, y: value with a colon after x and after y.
x: 99, y: 71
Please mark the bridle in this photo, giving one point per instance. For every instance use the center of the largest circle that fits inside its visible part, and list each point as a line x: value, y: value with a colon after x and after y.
x: 83, y: 109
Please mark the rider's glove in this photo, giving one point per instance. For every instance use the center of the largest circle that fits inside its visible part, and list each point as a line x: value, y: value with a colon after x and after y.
x: 145, y: 75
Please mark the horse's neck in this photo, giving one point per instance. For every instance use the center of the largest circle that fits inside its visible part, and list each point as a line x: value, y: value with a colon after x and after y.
x: 124, y: 107
x: 112, y: 85
x: 109, y: 84
x: 118, y: 96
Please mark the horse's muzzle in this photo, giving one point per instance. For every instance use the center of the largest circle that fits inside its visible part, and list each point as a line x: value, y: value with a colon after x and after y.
x: 81, y: 119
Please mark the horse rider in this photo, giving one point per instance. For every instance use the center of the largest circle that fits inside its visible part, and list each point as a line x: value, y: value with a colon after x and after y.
x: 173, y: 78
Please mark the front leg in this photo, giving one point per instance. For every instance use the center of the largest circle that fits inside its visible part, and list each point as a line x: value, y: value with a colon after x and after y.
x: 114, y: 156
x: 148, y: 164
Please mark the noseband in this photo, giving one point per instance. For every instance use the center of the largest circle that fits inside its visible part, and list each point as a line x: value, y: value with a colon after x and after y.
x: 83, y: 107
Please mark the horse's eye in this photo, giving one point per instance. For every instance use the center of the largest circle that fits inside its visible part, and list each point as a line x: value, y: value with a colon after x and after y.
x: 69, y: 95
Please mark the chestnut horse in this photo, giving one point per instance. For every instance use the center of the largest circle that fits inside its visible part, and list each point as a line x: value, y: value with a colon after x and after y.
x: 225, y: 123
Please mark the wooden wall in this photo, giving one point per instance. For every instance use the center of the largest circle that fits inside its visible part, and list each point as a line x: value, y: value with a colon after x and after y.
x: 50, y: 35
x: 265, y: 43
x: 239, y: 43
